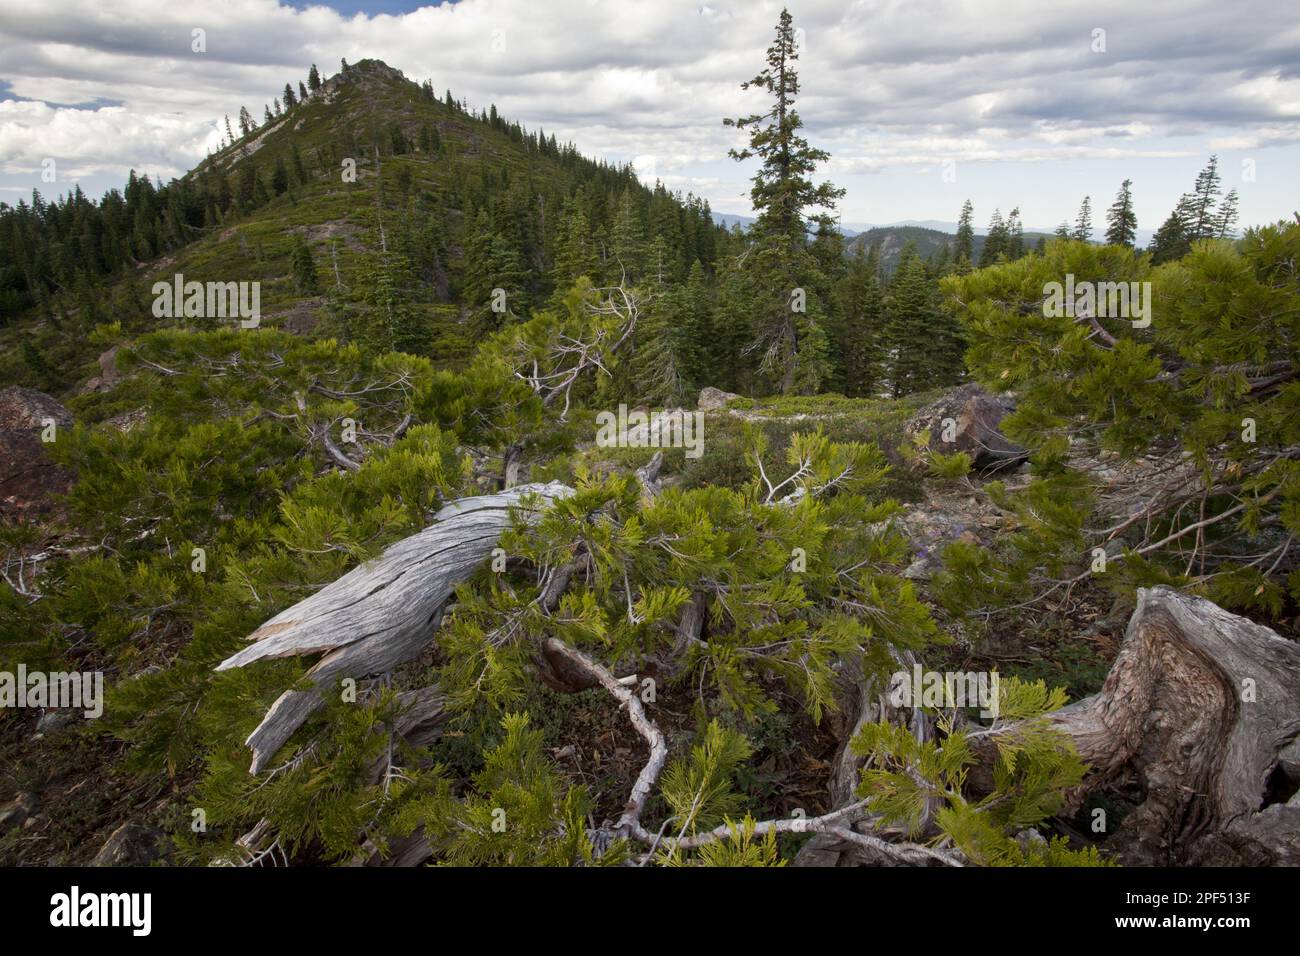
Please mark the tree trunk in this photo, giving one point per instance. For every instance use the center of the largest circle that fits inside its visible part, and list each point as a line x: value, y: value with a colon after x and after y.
x: 381, y: 613
x: 1196, y: 729
x: 1201, y: 711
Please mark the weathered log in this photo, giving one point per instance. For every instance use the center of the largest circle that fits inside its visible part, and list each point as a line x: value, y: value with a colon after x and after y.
x: 1199, y: 716
x: 1201, y: 709
x: 380, y: 614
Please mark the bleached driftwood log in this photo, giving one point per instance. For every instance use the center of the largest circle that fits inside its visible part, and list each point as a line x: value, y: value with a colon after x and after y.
x: 381, y: 613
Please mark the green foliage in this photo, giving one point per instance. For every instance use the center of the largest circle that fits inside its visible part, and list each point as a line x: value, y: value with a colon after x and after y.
x: 518, y: 812
x: 949, y: 467
x: 782, y: 275
x: 1033, y: 767
x: 741, y: 848
x: 1209, y: 387
x: 643, y: 559
x: 924, y: 340
x: 699, y: 789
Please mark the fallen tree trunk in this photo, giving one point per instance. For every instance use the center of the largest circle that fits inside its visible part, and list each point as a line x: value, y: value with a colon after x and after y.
x: 381, y: 613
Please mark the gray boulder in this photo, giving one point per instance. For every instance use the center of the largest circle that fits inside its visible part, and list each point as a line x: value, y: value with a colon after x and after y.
x: 966, y: 419
x: 131, y: 844
x: 712, y: 399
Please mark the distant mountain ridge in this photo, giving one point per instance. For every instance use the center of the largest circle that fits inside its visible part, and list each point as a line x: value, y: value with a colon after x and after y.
x: 927, y: 233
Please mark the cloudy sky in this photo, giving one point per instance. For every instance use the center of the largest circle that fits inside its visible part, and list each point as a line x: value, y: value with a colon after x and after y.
x: 921, y: 103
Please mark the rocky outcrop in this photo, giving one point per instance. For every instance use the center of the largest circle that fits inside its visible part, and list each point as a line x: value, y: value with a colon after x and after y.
x: 712, y: 399
x: 29, y: 481
x: 108, y: 373
x: 967, y: 420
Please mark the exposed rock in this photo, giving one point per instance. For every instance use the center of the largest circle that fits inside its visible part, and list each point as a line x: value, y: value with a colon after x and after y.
x: 127, y: 420
x: 300, y: 318
x: 131, y: 844
x: 945, y: 516
x: 650, y: 429
x: 714, y: 398
x: 108, y: 373
x: 23, y: 409
x: 28, y: 479
x: 16, y: 811
x: 966, y: 420
x: 54, y: 719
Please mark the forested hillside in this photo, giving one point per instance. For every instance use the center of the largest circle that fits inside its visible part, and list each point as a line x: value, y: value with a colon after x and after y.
x: 388, y: 571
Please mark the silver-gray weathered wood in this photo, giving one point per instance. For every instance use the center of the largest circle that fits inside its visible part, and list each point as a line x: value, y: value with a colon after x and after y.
x: 380, y: 614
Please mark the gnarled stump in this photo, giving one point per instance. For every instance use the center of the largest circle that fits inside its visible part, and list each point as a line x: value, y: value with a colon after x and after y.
x: 1199, y: 717
x: 1197, y: 710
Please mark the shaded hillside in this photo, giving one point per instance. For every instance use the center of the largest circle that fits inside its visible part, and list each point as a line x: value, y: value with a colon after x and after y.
x: 441, y: 196
x: 929, y: 242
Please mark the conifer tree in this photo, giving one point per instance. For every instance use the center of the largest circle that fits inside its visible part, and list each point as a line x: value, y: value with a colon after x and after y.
x: 1015, y: 235
x: 1226, y: 220
x: 304, y: 269
x: 627, y: 243
x: 787, y: 317
x: 1170, y: 240
x: 1083, y: 222
x: 279, y: 177
x: 1197, y: 208
x: 576, y: 256
x: 996, y: 242
x: 966, y: 233
x: 1121, y: 227
x: 858, y: 338
x: 912, y: 317
x: 698, y: 345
